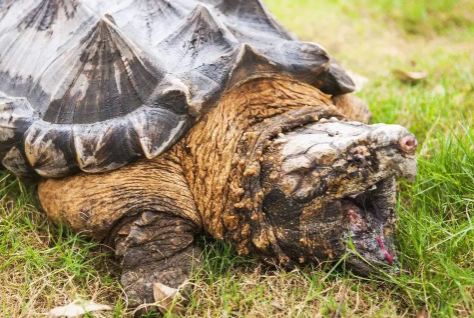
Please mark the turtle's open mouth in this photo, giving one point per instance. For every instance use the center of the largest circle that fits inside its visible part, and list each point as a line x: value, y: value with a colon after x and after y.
x: 370, y: 217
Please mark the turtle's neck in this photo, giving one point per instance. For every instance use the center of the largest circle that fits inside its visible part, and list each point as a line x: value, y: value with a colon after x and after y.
x: 210, y: 158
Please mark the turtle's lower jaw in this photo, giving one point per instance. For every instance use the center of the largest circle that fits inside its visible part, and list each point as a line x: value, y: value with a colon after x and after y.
x: 358, y: 227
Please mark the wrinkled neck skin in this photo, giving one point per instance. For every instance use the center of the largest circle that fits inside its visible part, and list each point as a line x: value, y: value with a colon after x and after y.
x: 265, y: 177
x: 212, y: 151
x: 226, y: 147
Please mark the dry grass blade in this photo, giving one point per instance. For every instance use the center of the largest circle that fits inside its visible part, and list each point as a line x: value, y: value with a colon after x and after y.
x: 76, y: 309
x: 341, y: 302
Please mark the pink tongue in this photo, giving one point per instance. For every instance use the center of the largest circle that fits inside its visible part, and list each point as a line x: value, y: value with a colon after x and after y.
x: 387, y: 255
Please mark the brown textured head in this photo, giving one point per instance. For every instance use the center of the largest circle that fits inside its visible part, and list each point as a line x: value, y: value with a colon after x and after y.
x: 332, y: 192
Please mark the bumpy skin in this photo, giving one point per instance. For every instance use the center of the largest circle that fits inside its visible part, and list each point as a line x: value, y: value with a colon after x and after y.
x: 274, y: 168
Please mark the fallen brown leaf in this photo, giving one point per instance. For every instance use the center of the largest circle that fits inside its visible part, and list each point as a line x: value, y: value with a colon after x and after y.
x: 276, y: 305
x: 76, y: 309
x: 410, y: 77
x: 165, y: 298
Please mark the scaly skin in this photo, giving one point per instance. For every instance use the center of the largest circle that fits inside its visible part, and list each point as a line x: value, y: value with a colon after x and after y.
x: 272, y: 169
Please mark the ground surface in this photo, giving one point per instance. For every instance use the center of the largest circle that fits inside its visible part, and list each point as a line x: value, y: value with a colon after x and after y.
x: 43, y: 266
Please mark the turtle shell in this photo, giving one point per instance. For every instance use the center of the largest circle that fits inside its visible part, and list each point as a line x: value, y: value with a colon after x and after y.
x: 91, y: 85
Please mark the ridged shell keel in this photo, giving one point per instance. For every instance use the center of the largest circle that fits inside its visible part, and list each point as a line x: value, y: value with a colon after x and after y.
x: 253, y: 15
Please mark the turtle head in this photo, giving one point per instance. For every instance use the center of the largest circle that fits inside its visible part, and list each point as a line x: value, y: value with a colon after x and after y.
x: 332, y: 192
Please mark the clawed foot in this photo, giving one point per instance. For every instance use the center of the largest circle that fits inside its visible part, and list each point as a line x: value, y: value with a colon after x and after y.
x: 149, y: 289
x: 158, y: 256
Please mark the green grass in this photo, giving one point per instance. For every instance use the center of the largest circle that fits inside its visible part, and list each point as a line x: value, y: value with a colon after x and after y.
x: 436, y: 230
x: 43, y: 265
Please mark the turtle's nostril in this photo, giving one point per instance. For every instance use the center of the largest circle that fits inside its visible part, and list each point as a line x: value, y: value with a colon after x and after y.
x: 408, y: 143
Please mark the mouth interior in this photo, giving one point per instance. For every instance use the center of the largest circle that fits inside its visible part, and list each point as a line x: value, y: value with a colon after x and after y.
x: 369, y: 214
x: 370, y: 202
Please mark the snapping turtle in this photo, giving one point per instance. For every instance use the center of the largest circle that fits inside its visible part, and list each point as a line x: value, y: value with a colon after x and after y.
x: 149, y: 121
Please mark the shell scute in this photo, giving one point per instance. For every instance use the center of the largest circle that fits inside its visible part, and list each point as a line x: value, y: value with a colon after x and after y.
x: 202, y: 39
x: 107, y: 80
x: 157, y: 129
x: 252, y: 15
x: 49, y: 149
x: 16, y: 116
x: 105, y: 146
x: 15, y: 161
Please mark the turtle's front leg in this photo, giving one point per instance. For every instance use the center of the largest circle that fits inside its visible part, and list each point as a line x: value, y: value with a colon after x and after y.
x: 145, y: 211
x: 155, y: 248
